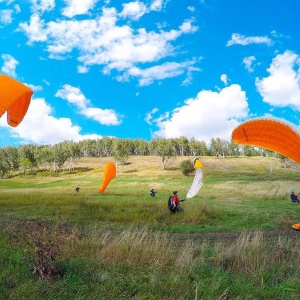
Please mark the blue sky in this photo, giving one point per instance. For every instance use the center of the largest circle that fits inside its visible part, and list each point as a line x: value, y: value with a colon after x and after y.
x: 149, y: 68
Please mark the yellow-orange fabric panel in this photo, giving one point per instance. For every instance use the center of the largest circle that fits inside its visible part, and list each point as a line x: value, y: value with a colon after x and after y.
x: 274, y: 134
x: 14, y: 98
x: 296, y: 226
x: 197, y: 163
x: 110, y: 172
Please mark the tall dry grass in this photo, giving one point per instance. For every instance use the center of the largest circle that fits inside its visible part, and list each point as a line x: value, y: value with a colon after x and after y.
x: 158, y: 265
x: 250, y: 253
x: 132, y: 248
x: 254, y: 254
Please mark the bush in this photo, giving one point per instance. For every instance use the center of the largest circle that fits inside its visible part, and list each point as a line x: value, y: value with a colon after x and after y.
x: 186, y: 167
x: 44, y: 241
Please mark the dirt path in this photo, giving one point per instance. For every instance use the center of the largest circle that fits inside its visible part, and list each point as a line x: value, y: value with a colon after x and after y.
x: 231, y: 236
x: 196, y: 238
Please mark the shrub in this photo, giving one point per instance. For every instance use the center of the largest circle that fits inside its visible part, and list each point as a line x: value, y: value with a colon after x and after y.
x: 186, y: 167
x: 44, y: 241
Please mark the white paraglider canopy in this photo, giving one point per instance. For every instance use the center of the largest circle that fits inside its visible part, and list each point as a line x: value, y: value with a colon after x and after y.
x: 198, y: 179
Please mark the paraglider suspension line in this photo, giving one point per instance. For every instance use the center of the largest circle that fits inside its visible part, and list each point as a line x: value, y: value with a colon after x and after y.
x: 245, y: 134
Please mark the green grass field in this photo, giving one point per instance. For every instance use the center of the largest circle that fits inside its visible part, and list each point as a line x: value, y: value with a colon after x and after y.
x: 124, y: 244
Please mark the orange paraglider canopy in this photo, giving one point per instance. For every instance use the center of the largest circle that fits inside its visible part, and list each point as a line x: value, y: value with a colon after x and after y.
x: 296, y: 226
x: 14, y: 98
x: 110, y: 172
x: 274, y: 134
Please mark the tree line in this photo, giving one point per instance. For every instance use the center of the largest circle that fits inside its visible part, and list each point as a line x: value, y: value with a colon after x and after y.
x: 58, y: 156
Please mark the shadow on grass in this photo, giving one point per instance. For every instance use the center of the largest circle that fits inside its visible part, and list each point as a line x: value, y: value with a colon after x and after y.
x: 130, y: 171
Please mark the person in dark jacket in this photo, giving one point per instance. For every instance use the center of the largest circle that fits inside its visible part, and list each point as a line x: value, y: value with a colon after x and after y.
x: 153, y: 193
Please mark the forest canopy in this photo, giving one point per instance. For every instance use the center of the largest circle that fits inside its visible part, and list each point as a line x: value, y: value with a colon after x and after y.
x: 54, y: 157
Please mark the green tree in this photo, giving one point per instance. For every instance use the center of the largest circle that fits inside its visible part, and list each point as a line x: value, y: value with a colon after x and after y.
x: 29, y: 151
x: 25, y: 164
x: 107, y: 146
x: 219, y: 147
x: 45, y: 157
x: 61, y: 153
x: 250, y: 151
x: 14, y: 157
x: 164, y: 148
x: 141, y: 147
x: 5, y: 164
x: 233, y: 148
x: 121, y: 150
x: 198, y: 147
x: 182, y: 146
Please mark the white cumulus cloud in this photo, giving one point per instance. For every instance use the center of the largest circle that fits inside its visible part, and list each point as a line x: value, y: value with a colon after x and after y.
x: 239, y: 39
x: 224, y: 79
x: 10, y: 64
x: 42, y: 5
x: 40, y: 127
x: 6, y: 16
x: 157, y: 5
x: 160, y: 72
x: 77, y: 7
x: 209, y: 115
x: 149, y: 115
x: 108, y: 41
x: 282, y: 87
x: 133, y: 10
x: 249, y: 63
x: 74, y: 96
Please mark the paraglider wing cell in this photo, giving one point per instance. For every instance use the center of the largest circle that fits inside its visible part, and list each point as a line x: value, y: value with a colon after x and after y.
x: 198, y: 179
x: 110, y: 172
x: 274, y: 134
x: 14, y: 99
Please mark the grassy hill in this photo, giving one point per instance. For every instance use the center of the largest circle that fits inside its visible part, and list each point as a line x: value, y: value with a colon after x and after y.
x: 238, y: 194
x: 124, y: 244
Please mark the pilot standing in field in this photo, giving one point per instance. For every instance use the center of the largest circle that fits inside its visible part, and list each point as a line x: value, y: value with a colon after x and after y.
x: 174, y: 203
x: 153, y: 193
x: 294, y: 197
x: 176, y: 199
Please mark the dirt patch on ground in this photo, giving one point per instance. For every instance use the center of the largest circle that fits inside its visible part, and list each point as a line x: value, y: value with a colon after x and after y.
x: 196, y: 238
x: 232, y: 236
